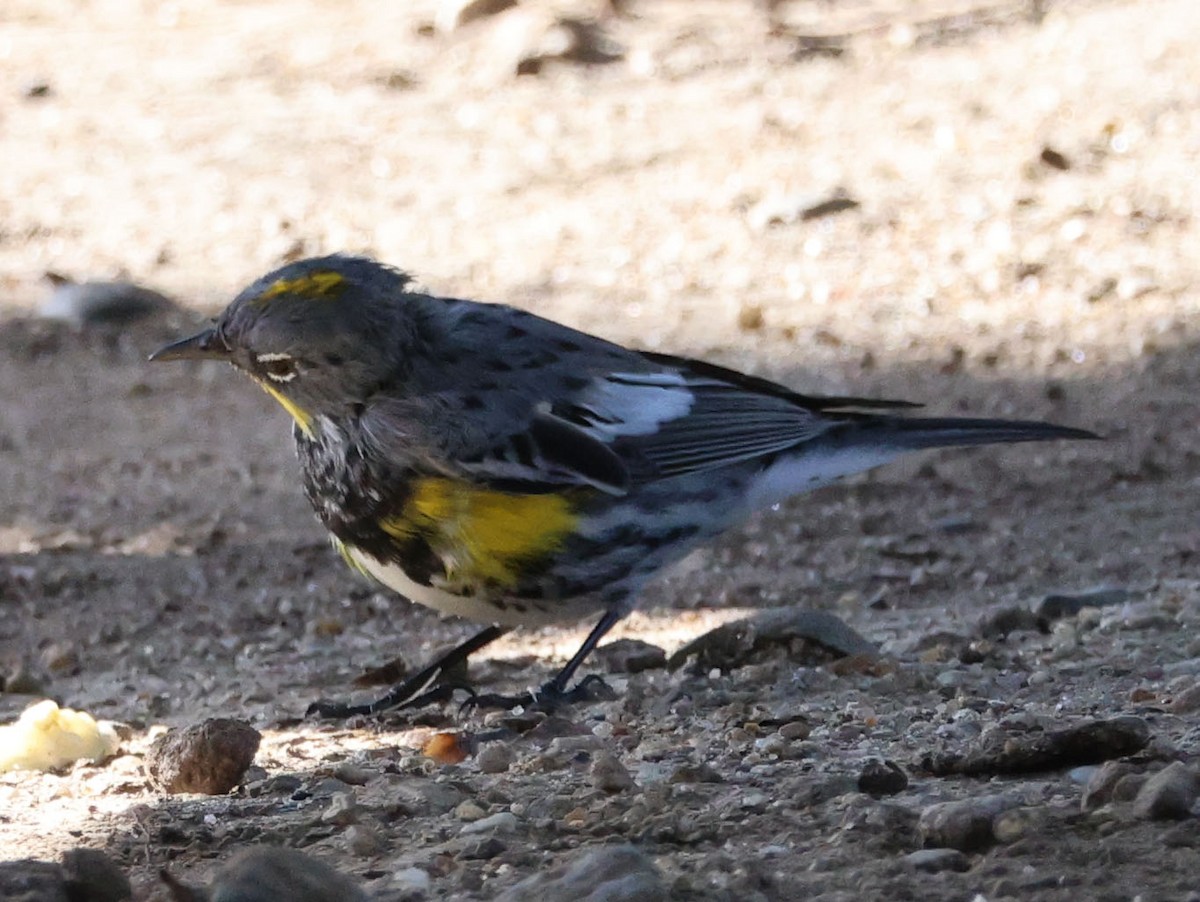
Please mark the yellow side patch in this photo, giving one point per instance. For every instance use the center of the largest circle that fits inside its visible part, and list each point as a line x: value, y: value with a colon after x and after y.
x: 323, y: 284
x: 303, y: 420
x: 344, y: 551
x: 483, y: 535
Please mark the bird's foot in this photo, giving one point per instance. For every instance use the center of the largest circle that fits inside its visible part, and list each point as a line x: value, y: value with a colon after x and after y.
x: 550, y: 697
x: 400, y: 698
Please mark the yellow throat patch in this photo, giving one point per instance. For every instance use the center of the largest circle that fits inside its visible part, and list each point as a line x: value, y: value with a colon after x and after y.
x: 303, y: 420
x: 483, y: 536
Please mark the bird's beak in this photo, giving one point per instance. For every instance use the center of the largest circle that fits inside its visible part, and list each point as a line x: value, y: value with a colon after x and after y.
x: 204, y: 346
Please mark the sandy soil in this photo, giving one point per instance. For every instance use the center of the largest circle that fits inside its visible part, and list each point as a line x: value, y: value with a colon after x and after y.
x: 158, y: 564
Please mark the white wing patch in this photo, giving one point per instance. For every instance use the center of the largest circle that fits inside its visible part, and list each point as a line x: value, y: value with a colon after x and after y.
x: 626, y: 404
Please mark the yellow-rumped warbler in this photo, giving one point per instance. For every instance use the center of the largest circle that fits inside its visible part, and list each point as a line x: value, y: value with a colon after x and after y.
x: 492, y: 464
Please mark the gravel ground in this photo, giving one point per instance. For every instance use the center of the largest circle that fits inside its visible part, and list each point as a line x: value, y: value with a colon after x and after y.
x: 975, y: 209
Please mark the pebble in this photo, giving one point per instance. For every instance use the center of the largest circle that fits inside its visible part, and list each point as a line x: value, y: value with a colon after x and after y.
x: 1168, y: 794
x: 796, y: 730
x: 1060, y: 605
x: 965, y: 825
x: 1100, y: 785
x: 469, y: 810
x: 495, y: 758
x: 37, y: 881
x: 882, y: 778
x: 61, y: 659
x: 618, y: 873
x: 342, y: 810
x: 352, y: 774
x: 734, y: 644
x: 1128, y: 787
x: 1009, y: 620
x: 454, y: 14
x: 1186, y: 700
x: 283, y: 783
x: 362, y: 841
x: 23, y: 682
x: 1017, y: 823
x: 93, y: 876
x: 412, y: 881
x: 630, y: 656
x: 608, y: 774
x: 1009, y: 751
x: 483, y: 850
x: 97, y: 303
x: 931, y: 861
x: 209, y: 757
x: 695, y: 773
x: 271, y: 874
x: 500, y: 822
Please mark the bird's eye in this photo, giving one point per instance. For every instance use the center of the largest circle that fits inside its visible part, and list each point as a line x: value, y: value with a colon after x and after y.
x: 278, y: 367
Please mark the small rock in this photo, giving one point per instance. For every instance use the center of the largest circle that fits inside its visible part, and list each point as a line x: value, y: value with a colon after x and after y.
x: 965, y: 825
x: 94, y: 877
x: 412, y: 881
x: 495, y: 758
x: 1061, y: 605
x: 1126, y: 789
x: 454, y: 14
x: 795, y: 730
x: 1017, y: 823
x: 1168, y: 794
x: 27, y: 880
x: 271, y: 874
x: 751, y: 318
x: 607, y: 874
x: 352, y: 774
x: 882, y: 778
x: 1099, y: 788
x: 783, y: 210
x: 1186, y: 701
x: 484, y: 850
x: 630, y: 656
x: 568, y: 40
x: 209, y: 757
x: 342, y: 810
x: 100, y: 303
x: 469, y: 810
x: 61, y: 659
x: 37, y: 89
x: 362, y: 841
x: 1005, y: 751
x: 500, y: 822
x: 1009, y: 620
x: 733, y: 644
x: 22, y: 681
x: 1055, y: 159
x: 695, y: 773
x: 931, y: 861
x: 608, y: 774
x: 284, y: 784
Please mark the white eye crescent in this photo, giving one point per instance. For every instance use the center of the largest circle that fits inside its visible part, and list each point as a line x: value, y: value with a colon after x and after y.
x: 278, y: 367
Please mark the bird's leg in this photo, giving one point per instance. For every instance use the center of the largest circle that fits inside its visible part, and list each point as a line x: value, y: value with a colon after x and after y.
x: 555, y: 692
x: 420, y: 689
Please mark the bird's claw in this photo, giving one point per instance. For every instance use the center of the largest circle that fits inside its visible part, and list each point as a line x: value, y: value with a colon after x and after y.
x: 548, y: 698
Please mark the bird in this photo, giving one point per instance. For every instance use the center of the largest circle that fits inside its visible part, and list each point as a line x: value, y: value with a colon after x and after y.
x: 499, y: 466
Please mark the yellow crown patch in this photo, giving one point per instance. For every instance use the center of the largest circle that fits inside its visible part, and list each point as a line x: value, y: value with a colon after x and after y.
x: 323, y: 284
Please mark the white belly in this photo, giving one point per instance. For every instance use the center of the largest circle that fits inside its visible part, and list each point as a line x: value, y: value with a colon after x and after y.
x: 504, y: 612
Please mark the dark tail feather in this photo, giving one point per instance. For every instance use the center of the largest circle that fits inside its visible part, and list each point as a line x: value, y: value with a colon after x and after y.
x: 944, y: 432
